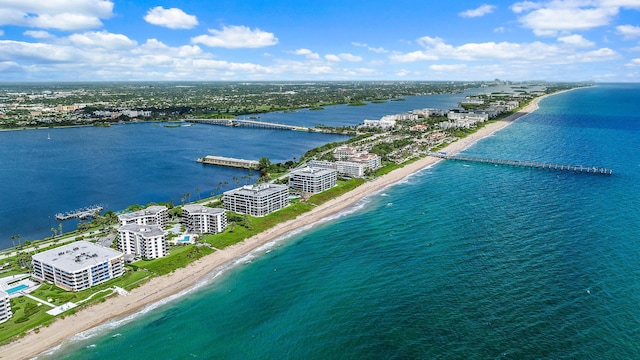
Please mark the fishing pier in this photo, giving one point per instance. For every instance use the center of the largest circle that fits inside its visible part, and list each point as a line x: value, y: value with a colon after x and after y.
x: 81, y: 214
x: 595, y: 170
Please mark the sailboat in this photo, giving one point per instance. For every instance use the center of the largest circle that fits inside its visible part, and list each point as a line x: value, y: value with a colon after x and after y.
x: 48, y: 136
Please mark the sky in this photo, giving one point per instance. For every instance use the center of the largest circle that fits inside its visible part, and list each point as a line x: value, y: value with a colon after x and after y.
x: 360, y: 40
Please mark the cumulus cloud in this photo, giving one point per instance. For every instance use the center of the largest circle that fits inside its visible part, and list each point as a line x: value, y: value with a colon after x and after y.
x: 633, y: 63
x: 576, y: 40
x: 56, y: 14
x: 332, y: 57
x: 343, y: 56
x: 308, y: 53
x: 378, y: 50
x: 447, y: 67
x: 102, y: 39
x: 38, y: 34
x: 483, y: 10
x: 565, y: 51
x: 172, y: 18
x: 550, y: 18
x: 628, y: 31
x: 233, y: 37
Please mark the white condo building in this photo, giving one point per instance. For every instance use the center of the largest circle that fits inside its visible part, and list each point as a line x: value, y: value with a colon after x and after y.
x: 5, y: 306
x: 313, y: 179
x: 256, y: 200
x: 78, y: 265
x: 145, y: 241
x: 204, y: 219
x: 153, y: 215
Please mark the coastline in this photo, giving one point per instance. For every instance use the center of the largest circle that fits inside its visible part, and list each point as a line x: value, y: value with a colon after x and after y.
x: 160, y: 288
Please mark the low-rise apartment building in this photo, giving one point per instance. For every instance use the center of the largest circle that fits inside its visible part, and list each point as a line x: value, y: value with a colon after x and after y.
x: 153, y: 215
x: 78, y: 265
x: 203, y: 219
x: 313, y: 180
x: 5, y: 306
x: 256, y: 200
x: 144, y: 241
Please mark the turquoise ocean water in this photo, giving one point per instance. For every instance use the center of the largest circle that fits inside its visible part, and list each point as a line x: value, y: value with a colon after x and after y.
x: 458, y: 261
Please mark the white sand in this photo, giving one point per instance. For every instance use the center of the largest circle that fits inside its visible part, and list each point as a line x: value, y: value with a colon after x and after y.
x: 160, y: 288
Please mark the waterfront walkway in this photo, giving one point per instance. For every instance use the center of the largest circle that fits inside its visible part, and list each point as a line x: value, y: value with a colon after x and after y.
x: 595, y: 170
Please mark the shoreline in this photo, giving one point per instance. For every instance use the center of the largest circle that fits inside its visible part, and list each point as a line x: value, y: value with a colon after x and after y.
x: 163, y: 287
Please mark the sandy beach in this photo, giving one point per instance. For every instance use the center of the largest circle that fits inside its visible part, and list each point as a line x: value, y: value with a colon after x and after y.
x: 160, y: 288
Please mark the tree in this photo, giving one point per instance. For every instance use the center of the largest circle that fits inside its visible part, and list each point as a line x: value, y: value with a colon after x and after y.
x: 263, y: 164
x: 54, y: 231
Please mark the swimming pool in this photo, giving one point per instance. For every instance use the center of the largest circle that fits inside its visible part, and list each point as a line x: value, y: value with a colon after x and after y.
x: 16, y: 289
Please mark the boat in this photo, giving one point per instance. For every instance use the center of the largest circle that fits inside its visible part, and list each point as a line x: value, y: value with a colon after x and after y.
x: 48, y: 136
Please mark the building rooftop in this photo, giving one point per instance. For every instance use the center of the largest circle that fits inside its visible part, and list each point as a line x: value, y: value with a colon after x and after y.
x: 312, y: 171
x: 257, y: 189
x: 151, y: 210
x: 150, y: 230
x: 195, y: 208
x: 76, y: 256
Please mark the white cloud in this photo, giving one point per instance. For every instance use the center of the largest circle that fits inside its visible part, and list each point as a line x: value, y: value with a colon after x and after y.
x: 378, y: 50
x: 413, y: 57
x: 308, y: 53
x: 332, y: 57
x: 634, y: 63
x: 563, y: 52
x: 56, y: 14
x: 38, y: 34
x: 524, y: 6
x: 628, y: 31
x: 447, y: 67
x: 343, y: 56
x: 499, y: 29
x: 549, y: 18
x: 102, y: 40
x: 483, y: 10
x: 234, y: 37
x: 350, y: 57
x: 172, y: 18
x: 576, y: 40
x: 1, y: 32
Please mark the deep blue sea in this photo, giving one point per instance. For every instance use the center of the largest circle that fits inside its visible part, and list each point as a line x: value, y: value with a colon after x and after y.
x: 458, y: 261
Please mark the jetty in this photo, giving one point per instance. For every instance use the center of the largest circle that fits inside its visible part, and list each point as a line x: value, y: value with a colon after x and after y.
x: 229, y: 162
x: 595, y: 170
x: 82, y: 214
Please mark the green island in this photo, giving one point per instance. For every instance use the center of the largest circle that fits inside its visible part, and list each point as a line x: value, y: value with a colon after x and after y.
x: 406, y: 142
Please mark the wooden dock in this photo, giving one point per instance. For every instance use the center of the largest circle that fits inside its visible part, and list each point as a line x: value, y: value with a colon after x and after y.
x: 81, y: 214
x: 595, y: 170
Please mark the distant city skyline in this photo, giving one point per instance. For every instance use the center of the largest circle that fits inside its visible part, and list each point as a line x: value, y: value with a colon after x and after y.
x: 104, y: 40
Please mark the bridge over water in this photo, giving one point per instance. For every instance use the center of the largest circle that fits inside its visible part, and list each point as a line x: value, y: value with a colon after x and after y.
x: 249, y: 123
x: 257, y: 125
x: 595, y: 170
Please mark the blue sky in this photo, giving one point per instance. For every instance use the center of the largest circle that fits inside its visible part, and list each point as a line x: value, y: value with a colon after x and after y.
x: 113, y: 40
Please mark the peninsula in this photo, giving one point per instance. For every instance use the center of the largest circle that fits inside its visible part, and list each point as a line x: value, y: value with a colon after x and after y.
x: 163, y: 287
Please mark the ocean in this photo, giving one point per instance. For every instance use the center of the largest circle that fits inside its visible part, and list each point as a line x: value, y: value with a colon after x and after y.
x: 458, y: 261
